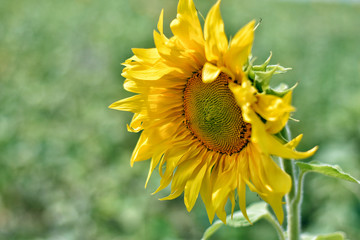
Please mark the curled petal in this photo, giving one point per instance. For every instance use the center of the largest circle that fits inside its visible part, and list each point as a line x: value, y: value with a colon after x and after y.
x: 272, y: 108
x: 271, y: 182
x: 275, y: 126
x: 274, y: 147
x: 136, y: 123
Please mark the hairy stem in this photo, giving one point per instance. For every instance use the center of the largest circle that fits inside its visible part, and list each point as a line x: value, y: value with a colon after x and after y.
x: 294, y: 196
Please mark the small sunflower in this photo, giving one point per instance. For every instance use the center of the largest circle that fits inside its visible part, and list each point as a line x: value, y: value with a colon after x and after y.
x: 204, y: 122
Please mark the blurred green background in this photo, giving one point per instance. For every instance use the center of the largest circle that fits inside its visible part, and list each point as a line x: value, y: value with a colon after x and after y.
x: 64, y: 156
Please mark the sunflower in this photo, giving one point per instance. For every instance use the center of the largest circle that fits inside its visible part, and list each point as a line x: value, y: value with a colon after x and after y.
x: 203, y: 121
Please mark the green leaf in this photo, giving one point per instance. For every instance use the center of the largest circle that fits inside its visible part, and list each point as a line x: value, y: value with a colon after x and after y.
x: 326, y: 169
x: 331, y: 236
x: 255, y: 212
x: 212, y: 229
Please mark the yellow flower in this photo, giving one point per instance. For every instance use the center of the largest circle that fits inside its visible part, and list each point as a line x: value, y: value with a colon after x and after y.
x: 203, y: 122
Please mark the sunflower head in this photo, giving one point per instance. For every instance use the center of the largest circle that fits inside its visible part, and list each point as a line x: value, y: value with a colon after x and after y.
x: 208, y: 116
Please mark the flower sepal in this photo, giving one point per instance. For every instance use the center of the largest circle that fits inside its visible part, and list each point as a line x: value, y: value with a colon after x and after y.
x: 281, y: 90
x: 262, y: 74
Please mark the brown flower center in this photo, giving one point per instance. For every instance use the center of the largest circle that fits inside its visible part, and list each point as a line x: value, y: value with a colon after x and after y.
x: 213, y: 116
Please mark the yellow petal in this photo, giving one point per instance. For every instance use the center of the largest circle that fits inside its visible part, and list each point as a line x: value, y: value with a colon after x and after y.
x: 244, y: 94
x: 224, y: 185
x: 220, y: 211
x: 165, y: 179
x: 146, y: 72
x: 136, y: 124
x: 276, y: 203
x: 232, y: 200
x: 258, y: 131
x: 242, y: 199
x: 151, y: 140
x: 172, y: 158
x: 150, y: 55
x: 276, y: 148
x: 271, y: 181
x: 186, y: 27
x: 227, y: 71
x: 175, y: 55
x: 131, y: 104
x: 154, y: 162
x: 280, y: 184
x: 294, y: 142
x: 142, y: 149
x: 269, y: 144
x: 146, y: 87
x: 206, y: 194
x: 132, y: 86
x: 271, y: 107
x: 275, y: 126
x: 193, y: 186
x: 216, y: 42
x: 160, y: 25
x: 210, y: 73
x: 181, y: 176
x: 164, y: 182
x: 277, y: 180
x: 240, y: 48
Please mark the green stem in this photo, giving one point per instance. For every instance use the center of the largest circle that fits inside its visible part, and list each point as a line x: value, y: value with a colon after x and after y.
x: 298, y: 198
x: 294, y: 196
x: 276, y: 225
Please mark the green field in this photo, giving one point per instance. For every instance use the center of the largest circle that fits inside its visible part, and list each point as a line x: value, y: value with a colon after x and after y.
x: 64, y: 156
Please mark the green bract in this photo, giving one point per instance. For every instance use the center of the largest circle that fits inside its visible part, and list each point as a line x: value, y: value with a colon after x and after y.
x: 261, y: 75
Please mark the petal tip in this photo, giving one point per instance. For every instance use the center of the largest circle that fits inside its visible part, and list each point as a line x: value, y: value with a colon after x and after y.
x: 113, y: 105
